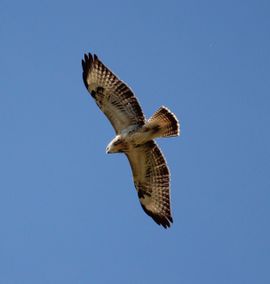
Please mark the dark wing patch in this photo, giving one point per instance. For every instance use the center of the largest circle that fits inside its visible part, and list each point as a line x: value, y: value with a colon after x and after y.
x: 152, y: 181
x: 112, y: 95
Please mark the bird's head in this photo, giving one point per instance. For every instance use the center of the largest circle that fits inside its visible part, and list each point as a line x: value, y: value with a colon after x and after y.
x: 116, y: 145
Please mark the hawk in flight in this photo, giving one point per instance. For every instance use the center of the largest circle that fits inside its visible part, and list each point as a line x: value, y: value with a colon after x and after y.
x: 135, y: 136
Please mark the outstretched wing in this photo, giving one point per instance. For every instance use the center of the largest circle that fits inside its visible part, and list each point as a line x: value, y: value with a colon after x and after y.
x: 152, y: 181
x: 112, y: 95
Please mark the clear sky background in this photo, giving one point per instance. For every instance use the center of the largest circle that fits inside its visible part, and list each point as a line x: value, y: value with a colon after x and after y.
x: 69, y: 213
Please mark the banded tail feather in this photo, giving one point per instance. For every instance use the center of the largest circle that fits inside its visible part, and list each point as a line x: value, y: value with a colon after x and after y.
x: 164, y: 123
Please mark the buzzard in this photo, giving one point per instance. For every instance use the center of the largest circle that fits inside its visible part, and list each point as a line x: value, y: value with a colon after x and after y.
x: 135, y: 136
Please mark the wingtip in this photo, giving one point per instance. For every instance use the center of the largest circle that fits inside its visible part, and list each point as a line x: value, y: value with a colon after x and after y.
x: 86, y: 65
x: 163, y: 220
x: 165, y: 223
x: 88, y: 59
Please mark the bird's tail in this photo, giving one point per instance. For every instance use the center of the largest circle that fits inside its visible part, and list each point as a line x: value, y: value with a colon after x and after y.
x: 163, y: 123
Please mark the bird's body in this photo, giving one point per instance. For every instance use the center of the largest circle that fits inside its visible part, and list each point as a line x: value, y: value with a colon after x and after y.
x: 135, y: 137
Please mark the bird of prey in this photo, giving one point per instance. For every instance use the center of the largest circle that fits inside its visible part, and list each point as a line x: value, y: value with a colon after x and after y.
x: 135, y: 136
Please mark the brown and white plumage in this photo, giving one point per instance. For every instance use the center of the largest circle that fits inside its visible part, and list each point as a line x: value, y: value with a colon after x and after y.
x: 112, y: 95
x: 152, y: 181
x: 134, y: 136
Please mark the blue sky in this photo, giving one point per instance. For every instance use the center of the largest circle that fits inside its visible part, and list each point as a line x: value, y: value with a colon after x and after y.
x: 69, y: 213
